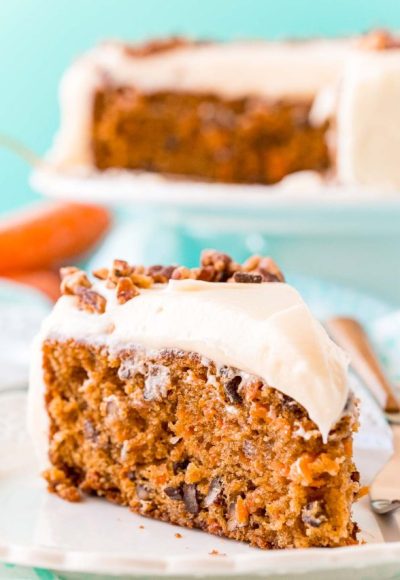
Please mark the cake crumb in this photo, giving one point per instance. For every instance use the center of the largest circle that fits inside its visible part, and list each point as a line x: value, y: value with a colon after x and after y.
x: 178, y: 535
x: 141, y: 527
x: 216, y: 553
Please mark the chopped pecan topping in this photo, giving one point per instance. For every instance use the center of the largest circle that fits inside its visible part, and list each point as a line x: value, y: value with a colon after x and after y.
x: 126, y: 290
x: 120, y: 269
x: 141, y: 280
x: 181, y: 273
x: 206, y: 274
x: 251, y: 263
x: 127, y: 279
x: 270, y: 271
x: 160, y: 274
x: 218, y: 262
x: 247, y: 278
x: 67, y: 271
x: 265, y: 267
x: 73, y: 280
x: 101, y: 273
x: 91, y: 301
x: 156, y: 46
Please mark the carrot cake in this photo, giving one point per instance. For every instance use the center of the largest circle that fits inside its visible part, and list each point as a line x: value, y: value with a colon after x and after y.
x: 206, y: 397
x: 236, y: 112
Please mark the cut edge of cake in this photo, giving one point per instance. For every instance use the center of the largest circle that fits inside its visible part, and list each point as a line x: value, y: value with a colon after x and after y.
x: 181, y: 436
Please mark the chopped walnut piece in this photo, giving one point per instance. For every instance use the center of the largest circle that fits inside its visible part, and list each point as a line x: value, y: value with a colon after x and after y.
x: 91, y: 301
x: 101, y: 273
x: 126, y: 290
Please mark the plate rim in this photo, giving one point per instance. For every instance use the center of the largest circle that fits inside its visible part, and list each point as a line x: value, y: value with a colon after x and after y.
x: 278, y: 562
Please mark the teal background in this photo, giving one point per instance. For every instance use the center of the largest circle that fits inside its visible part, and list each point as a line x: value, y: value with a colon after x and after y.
x: 39, y: 38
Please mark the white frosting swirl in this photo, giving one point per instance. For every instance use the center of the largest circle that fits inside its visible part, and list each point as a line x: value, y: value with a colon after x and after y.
x: 262, y: 329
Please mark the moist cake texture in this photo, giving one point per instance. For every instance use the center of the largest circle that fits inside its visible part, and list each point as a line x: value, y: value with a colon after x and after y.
x: 235, y: 141
x: 235, y: 112
x: 179, y: 436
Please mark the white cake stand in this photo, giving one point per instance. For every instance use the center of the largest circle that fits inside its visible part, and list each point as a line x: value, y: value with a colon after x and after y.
x: 348, y: 234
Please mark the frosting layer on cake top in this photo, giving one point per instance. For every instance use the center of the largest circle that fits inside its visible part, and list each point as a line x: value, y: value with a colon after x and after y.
x: 263, y: 329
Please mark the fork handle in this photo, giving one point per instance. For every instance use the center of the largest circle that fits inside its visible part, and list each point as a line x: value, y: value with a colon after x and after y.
x: 350, y: 335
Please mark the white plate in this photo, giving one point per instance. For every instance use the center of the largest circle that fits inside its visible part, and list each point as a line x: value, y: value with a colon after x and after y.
x: 21, y: 312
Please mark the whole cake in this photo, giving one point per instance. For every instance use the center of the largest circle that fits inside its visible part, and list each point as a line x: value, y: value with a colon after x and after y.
x: 236, y: 112
x: 206, y: 397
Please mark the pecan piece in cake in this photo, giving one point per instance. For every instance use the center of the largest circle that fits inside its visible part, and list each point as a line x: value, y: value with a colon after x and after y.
x: 214, y: 492
x: 190, y: 498
x: 314, y: 514
x: 174, y: 493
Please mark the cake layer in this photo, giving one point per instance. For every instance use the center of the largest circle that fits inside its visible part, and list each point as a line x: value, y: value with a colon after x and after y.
x: 179, y: 438
x: 242, y: 141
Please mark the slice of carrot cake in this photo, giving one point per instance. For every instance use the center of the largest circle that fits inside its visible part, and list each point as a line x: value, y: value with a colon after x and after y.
x: 206, y: 397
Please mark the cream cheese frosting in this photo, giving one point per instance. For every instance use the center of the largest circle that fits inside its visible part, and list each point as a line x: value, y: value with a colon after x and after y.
x: 265, y: 330
x: 368, y: 138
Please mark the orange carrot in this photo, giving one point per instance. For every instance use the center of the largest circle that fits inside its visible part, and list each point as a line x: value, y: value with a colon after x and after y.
x: 46, y: 281
x: 50, y: 234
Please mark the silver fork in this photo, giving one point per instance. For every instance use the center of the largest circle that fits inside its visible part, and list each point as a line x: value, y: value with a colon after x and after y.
x: 384, y: 492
